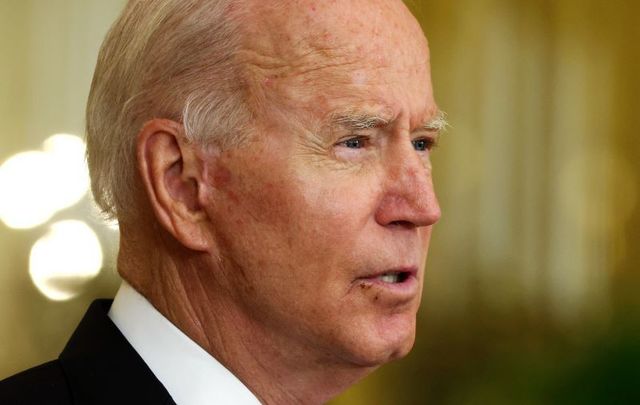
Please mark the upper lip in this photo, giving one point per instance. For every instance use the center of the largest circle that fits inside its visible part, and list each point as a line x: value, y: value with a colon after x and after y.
x: 412, y: 271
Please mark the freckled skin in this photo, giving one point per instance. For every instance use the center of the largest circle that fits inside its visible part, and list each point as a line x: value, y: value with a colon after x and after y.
x: 221, y: 177
x: 290, y: 226
x: 307, y: 223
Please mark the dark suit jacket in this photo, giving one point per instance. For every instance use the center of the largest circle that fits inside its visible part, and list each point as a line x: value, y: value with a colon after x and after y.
x: 98, y: 366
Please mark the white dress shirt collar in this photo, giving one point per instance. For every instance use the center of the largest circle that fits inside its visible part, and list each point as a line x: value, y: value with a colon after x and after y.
x: 189, y: 373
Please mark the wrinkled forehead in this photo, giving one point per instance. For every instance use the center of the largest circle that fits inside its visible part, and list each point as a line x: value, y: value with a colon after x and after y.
x: 290, y: 30
x: 318, y: 57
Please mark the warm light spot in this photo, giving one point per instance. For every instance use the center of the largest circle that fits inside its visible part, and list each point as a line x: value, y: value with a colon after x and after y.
x: 35, y: 185
x: 64, y: 259
x: 69, y: 169
x: 113, y: 225
x: 26, y: 186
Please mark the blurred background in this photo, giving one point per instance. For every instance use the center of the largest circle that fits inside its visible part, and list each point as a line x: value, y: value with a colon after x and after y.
x: 532, y: 291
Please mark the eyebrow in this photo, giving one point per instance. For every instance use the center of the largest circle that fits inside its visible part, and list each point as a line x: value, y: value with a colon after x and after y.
x: 438, y: 123
x: 360, y: 121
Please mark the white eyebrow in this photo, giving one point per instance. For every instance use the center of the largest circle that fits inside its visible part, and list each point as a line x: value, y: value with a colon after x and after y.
x: 367, y: 121
x: 360, y: 121
x: 438, y: 123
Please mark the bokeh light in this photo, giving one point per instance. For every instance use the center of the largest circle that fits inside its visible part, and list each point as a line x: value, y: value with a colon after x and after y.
x: 113, y: 226
x: 64, y: 259
x: 26, y: 184
x: 66, y: 153
x: 37, y: 184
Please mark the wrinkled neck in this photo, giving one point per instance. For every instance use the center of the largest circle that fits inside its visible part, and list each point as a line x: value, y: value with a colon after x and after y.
x: 186, y: 288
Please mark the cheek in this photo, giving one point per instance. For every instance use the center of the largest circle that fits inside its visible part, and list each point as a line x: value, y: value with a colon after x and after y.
x: 338, y: 207
x: 221, y: 181
x: 258, y: 220
x: 248, y: 190
x: 291, y: 212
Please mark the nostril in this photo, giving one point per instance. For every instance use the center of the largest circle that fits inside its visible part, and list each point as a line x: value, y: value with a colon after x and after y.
x: 402, y: 224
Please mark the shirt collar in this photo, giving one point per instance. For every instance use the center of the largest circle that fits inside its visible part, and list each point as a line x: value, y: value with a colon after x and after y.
x: 189, y: 373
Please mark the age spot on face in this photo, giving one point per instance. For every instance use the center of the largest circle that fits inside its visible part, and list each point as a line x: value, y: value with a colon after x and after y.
x: 221, y: 177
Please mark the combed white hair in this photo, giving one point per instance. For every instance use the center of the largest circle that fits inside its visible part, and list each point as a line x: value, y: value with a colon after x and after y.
x: 169, y: 59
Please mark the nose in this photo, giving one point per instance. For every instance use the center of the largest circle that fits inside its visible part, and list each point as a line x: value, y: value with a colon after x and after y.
x: 408, y: 197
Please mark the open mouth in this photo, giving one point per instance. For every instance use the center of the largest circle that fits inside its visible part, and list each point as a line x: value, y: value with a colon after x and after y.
x: 394, y: 277
x: 394, y: 286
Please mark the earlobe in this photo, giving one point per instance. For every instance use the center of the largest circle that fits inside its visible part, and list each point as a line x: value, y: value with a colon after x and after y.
x: 170, y: 172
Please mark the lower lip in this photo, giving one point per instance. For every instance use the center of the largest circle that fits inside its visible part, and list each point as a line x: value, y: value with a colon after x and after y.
x: 408, y: 289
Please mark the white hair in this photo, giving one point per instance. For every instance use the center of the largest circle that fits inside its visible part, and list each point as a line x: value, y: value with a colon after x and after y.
x: 169, y: 59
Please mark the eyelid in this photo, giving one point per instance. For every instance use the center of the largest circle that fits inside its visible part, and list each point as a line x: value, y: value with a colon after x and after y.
x: 432, y: 140
x: 351, y: 137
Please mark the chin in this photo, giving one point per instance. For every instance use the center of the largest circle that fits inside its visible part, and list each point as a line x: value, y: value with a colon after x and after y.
x: 386, y: 341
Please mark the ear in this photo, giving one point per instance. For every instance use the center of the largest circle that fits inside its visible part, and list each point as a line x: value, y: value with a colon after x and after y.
x: 171, y: 173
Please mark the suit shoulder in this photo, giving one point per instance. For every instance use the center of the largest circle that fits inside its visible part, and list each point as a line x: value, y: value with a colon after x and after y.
x: 42, y: 385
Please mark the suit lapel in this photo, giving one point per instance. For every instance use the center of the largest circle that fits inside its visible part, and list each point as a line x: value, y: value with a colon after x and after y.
x: 102, y: 367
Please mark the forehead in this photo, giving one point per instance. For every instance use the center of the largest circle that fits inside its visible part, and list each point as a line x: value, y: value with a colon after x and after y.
x: 335, y: 52
x: 293, y: 29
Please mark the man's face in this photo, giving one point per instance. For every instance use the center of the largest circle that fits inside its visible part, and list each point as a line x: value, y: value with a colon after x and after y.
x: 323, y: 220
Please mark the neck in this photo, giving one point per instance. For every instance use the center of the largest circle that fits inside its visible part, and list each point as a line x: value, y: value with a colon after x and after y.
x: 184, y: 287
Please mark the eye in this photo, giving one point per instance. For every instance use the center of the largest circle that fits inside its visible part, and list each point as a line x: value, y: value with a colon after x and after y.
x: 423, y: 144
x: 358, y: 142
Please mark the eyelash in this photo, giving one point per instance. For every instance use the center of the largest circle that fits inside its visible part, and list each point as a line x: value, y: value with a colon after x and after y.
x: 428, y: 143
x: 362, y: 139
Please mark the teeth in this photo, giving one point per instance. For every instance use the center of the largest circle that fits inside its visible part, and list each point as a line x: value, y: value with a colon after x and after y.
x: 390, y: 278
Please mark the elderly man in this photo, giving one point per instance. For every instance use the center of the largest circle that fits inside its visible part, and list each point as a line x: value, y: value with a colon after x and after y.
x: 269, y: 164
